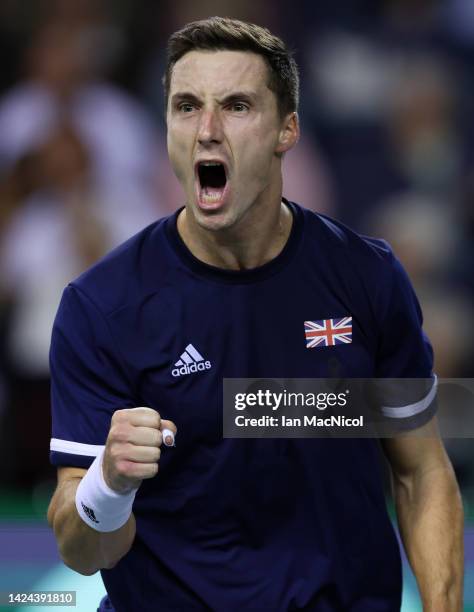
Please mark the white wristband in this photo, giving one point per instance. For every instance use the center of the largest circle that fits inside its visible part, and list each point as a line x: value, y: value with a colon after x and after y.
x: 98, y: 505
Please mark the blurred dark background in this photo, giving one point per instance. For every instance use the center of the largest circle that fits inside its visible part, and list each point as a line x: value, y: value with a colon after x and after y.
x: 387, y: 147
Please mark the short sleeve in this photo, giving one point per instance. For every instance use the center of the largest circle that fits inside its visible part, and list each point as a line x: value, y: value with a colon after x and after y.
x: 405, y: 389
x: 88, y: 382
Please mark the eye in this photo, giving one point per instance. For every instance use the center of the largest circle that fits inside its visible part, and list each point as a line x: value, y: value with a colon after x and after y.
x: 186, y: 107
x: 239, y: 107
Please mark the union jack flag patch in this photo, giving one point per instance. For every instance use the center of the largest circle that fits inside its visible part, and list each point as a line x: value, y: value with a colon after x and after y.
x: 328, y: 332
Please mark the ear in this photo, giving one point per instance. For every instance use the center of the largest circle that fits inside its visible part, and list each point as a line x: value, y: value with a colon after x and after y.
x: 289, y: 133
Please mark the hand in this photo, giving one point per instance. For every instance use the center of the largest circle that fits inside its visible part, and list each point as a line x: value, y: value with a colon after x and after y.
x: 132, y: 450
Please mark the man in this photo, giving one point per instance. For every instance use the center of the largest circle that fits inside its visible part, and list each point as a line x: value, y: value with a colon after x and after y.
x: 222, y: 288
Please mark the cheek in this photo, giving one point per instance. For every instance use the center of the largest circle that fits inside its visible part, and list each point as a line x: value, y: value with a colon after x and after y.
x: 177, y: 169
x: 258, y: 150
x: 261, y: 137
x: 177, y: 146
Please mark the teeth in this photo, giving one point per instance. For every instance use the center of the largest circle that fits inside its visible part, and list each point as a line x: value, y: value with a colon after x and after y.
x: 211, y: 197
x: 211, y: 164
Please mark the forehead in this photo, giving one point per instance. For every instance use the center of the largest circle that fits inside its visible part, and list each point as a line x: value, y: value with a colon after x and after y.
x: 219, y: 72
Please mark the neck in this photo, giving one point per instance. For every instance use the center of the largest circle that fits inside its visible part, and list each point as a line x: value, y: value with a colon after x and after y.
x: 251, y: 243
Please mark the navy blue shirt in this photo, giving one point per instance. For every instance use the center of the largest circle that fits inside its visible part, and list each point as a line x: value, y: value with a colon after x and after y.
x: 240, y: 524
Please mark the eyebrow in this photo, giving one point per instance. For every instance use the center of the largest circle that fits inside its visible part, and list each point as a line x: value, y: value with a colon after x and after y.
x: 233, y: 97
x: 185, y: 95
x: 239, y: 95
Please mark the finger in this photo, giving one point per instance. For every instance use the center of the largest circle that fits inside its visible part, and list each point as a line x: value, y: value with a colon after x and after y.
x: 138, y: 471
x: 168, y: 429
x: 141, y: 416
x: 142, y: 454
x: 145, y: 436
x: 165, y: 424
x: 168, y: 437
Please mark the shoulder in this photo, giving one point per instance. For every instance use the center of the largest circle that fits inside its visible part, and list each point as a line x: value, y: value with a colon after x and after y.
x: 128, y: 272
x: 362, y: 269
x: 337, y: 240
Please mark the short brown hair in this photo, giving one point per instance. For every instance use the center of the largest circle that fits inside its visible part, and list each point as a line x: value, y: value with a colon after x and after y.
x: 224, y: 34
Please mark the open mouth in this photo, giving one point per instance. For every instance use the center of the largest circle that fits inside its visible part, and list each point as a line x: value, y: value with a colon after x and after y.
x: 212, y: 182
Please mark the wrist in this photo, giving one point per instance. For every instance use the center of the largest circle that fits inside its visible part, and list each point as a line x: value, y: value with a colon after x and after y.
x: 99, y: 506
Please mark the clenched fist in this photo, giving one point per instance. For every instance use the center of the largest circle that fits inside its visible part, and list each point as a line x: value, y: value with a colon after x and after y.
x: 133, y: 447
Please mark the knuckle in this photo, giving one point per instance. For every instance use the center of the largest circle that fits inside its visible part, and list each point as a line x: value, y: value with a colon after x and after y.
x: 114, y: 453
x: 119, y: 451
x: 118, y: 432
x: 109, y: 454
x: 133, y: 470
x: 145, y: 411
x: 119, y: 416
x: 126, y: 433
x: 108, y: 457
x: 116, y: 416
x: 123, y: 469
x: 130, y: 470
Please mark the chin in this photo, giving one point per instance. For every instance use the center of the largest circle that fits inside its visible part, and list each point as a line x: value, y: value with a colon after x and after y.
x: 213, y: 220
x: 214, y: 223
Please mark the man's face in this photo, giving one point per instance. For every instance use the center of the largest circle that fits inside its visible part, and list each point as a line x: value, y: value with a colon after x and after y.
x: 224, y: 134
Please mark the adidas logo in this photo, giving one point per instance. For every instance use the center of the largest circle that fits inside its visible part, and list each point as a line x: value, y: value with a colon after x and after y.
x: 190, y: 361
x: 89, y: 512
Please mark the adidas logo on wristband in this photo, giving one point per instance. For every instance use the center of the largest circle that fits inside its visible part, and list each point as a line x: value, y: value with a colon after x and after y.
x: 89, y: 512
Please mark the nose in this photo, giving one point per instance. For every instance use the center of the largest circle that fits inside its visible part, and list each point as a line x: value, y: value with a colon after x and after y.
x: 210, y: 127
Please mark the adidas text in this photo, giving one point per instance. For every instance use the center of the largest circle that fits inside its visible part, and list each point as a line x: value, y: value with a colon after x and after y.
x: 193, y: 367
